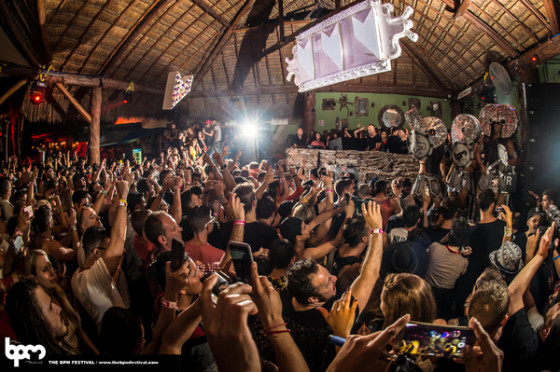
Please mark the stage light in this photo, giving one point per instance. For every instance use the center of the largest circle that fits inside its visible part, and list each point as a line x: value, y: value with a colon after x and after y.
x: 249, y: 130
x: 534, y: 58
x: 38, y: 92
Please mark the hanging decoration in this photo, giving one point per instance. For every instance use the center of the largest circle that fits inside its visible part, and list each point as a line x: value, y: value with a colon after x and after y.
x: 176, y: 89
x: 359, y: 41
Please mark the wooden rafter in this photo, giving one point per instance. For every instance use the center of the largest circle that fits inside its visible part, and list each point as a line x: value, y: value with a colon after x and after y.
x: 225, y: 69
x: 84, y: 34
x: 462, y: 9
x: 487, y: 30
x: 425, y: 67
x: 536, y: 13
x: 343, y: 87
x: 12, y: 90
x: 22, y: 45
x: 43, y: 27
x: 157, y: 41
x: 131, y: 51
x: 102, y: 38
x: 152, y: 13
x: 545, y: 51
x: 222, y: 41
x: 186, y: 31
x: 82, y: 111
x: 202, y: 5
x: 551, y: 7
x: 508, y: 12
x: 69, y: 26
x: 281, y: 19
x: 80, y: 80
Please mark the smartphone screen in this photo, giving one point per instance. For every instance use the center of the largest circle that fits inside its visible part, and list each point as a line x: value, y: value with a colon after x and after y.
x: 178, y: 256
x: 18, y: 243
x: 242, y: 259
x: 434, y: 340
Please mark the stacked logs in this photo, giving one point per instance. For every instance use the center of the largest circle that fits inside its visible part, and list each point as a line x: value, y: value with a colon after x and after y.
x: 368, y: 164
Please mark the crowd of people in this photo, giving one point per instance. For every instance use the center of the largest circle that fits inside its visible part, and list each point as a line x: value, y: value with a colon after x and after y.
x: 88, y: 265
x: 390, y: 139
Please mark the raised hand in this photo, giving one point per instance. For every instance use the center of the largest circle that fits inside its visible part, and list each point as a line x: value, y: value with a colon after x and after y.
x: 372, y: 215
x: 342, y: 315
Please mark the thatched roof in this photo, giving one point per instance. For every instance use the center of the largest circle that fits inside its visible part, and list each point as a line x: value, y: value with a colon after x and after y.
x: 233, y: 47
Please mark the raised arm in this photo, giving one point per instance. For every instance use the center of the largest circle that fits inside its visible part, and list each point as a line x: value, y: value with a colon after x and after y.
x: 522, y: 280
x: 114, y: 252
x: 369, y: 272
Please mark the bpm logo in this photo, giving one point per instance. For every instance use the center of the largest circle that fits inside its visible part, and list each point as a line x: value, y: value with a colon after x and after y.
x: 19, y: 352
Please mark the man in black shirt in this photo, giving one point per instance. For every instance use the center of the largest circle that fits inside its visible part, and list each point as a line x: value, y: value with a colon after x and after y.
x: 373, y: 139
x: 311, y: 286
x: 300, y: 140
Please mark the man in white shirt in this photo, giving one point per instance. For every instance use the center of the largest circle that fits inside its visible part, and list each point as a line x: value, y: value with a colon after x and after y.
x: 99, y: 284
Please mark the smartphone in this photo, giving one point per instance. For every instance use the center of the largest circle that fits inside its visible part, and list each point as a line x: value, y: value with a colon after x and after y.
x: 221, y: 284
x: 178, y: 255
x: 28, y: 210
x: 435, y: 340
x: 18, y: 243
x: 499, y: 209
x: 242, y: 258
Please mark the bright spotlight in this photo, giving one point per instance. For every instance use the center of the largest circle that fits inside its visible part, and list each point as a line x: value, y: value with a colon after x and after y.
x: 249, y: 130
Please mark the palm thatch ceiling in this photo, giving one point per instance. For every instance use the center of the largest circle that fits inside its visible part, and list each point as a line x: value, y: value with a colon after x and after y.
x: 237, y: 48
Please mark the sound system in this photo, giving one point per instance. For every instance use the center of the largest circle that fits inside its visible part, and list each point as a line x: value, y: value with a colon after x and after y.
x: 345, y: 143
x: 542, y: 168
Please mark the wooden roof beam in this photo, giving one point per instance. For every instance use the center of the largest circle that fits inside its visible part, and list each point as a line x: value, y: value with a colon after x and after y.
x: 43, y: 27
x: 536, y: 13
x: 74, y: 102
x: 424, y: 66
x: 487, y: 30
x: 342, y: 87
x: 79, y: 80
x: 137, y: 29
x: 222, y: 41
x: 462, y: 9
x: 545, y: 51
x: 84, y: 34
x: 552, y: 10
x: 21, y: 44
x: 202, y: 5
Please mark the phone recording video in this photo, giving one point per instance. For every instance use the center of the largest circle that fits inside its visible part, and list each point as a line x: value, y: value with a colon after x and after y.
x: 242, y: 258
x: 434, y: 340
x: 18, y: 243
x: 178, y: 255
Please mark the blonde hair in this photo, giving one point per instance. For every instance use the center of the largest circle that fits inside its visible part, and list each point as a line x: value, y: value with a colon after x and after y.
x: 407, y: 294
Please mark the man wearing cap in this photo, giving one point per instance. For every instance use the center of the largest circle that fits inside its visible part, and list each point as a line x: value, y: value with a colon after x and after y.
x: 534, y: 219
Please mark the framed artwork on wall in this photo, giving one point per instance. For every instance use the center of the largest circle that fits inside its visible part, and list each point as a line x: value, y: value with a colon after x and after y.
x: 361, y: 106
x: 328, y: 104
x: 435, y: 109
x: 414, y: 102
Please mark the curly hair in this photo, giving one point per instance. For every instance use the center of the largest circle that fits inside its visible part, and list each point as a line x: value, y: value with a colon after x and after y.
x: 299, y: 279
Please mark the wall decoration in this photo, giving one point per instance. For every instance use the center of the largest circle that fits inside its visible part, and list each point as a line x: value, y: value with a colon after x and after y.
x: 329, y: 104
x: 414, y: 103
x: 391, y: 116
x: 359, y: 41
x: 435, y: 109
x: 361, y: 106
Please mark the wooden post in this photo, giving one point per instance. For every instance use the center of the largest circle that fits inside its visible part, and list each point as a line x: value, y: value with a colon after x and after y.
x: 308, y: 112
x: 94, y: 129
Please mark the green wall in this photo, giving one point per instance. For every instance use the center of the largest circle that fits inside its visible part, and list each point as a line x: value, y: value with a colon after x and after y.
x: 380, y: 100
x: 549, y: 72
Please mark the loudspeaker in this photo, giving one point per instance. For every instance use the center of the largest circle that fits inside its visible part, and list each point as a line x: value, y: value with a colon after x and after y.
x: 344, y: 143
x: 543, y: 136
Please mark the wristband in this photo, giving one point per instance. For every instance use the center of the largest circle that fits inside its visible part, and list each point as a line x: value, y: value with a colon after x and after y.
x: 305, y: 200
x: 329, y: 190
x: 104, y: 192
x: 74, y: 228
x: 377, y: 231
x: 168, y: 304
x: 276, y: 326
x: 275, y: 332
x: 555, y: 258
x: 188, y: 182
x: 122, y: 203
x: 239, y: 222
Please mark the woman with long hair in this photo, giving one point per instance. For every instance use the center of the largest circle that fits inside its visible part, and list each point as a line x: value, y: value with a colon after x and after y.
x: 39, y: 267
x: 388, y: 206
